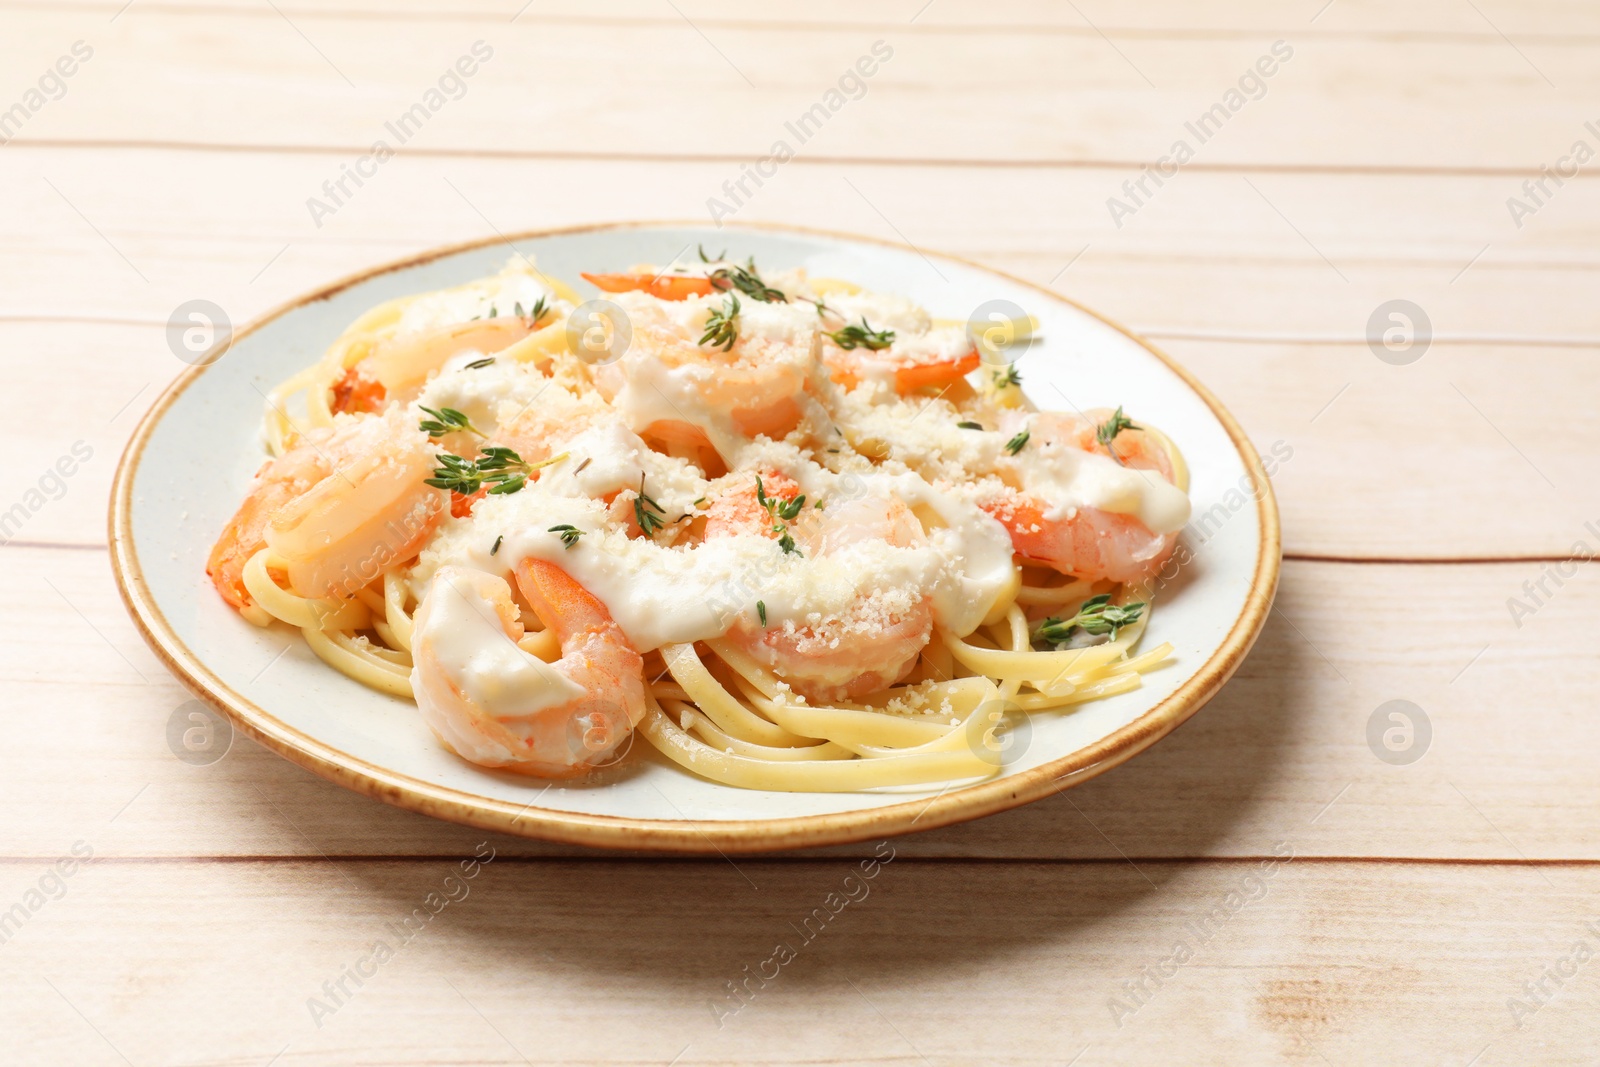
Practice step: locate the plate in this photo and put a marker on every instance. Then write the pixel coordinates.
(187, 465)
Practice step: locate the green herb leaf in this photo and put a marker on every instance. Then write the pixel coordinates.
(1008, 378)
(497, 542)
(1107, 431)
(647, 513)
(479, 364)
(446, 420)
(498, 467)
(969, 425)
(569, 533)
(747, 280)
(1016, 443)
(761, 610)
(1096, 616)
(863, 336)
(783, 512)
(722, 327)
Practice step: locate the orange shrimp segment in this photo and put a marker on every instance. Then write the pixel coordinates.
(356, 393)
(850, 368)
(496, 705)
(915, 376)
(1088, 542)
(660, 286)
(869, 646)
(402, 365)
(338, 509)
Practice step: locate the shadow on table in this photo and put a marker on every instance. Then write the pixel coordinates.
(703, 924)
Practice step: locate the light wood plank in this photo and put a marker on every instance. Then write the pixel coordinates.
(257, 77)
(1547, 21)
(1208, 257)
(1283, 745)
(590, 963)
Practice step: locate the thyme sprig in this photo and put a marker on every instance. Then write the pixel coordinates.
(1107, 431)
(783, 512)
(569, 533)
(498, 468)
(746, 279)
(1008, 378)
(1016, 444)
(722, 327)
(535, 313)
(447, 420)
(863, 336)
(647, 513)
(1097, 617)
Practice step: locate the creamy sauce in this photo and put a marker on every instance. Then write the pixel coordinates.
(663, 594)
(493, 673)
(927, 437)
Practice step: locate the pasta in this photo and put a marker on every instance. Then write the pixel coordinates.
(798, 535)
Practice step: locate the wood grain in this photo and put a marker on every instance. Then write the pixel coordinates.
(250, 76)
(605, 962)
(1420, 899)
(1295, 257)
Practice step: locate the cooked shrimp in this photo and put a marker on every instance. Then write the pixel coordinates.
(497, 705)
(401, 365)
(877, 641)
(909, 373)
(339, 508)
(1130, 446)
(757, 384)
(660, 286)
(1087, 542)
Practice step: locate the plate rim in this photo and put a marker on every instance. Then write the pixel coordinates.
(687, 835)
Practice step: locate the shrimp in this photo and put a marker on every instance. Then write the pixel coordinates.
(757, 384)
(1089, 542)
(399, 366)
(660, 286)
(347, 502)
(874, 644)
(497, 705)
(848, 368)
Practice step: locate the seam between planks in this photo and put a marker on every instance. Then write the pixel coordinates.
(792, 858)
(1180, 34)
(1337, 169)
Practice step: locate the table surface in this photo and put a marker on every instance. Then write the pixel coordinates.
(1258, 887)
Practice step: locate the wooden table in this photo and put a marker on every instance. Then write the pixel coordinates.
(1333, 907)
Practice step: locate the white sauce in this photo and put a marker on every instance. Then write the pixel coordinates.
(490, 669)
(661, 594)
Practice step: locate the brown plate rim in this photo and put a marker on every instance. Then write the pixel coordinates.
(688, 835)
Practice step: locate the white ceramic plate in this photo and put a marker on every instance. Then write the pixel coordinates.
(190, 459)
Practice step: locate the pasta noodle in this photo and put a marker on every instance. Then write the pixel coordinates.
(799, 535)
